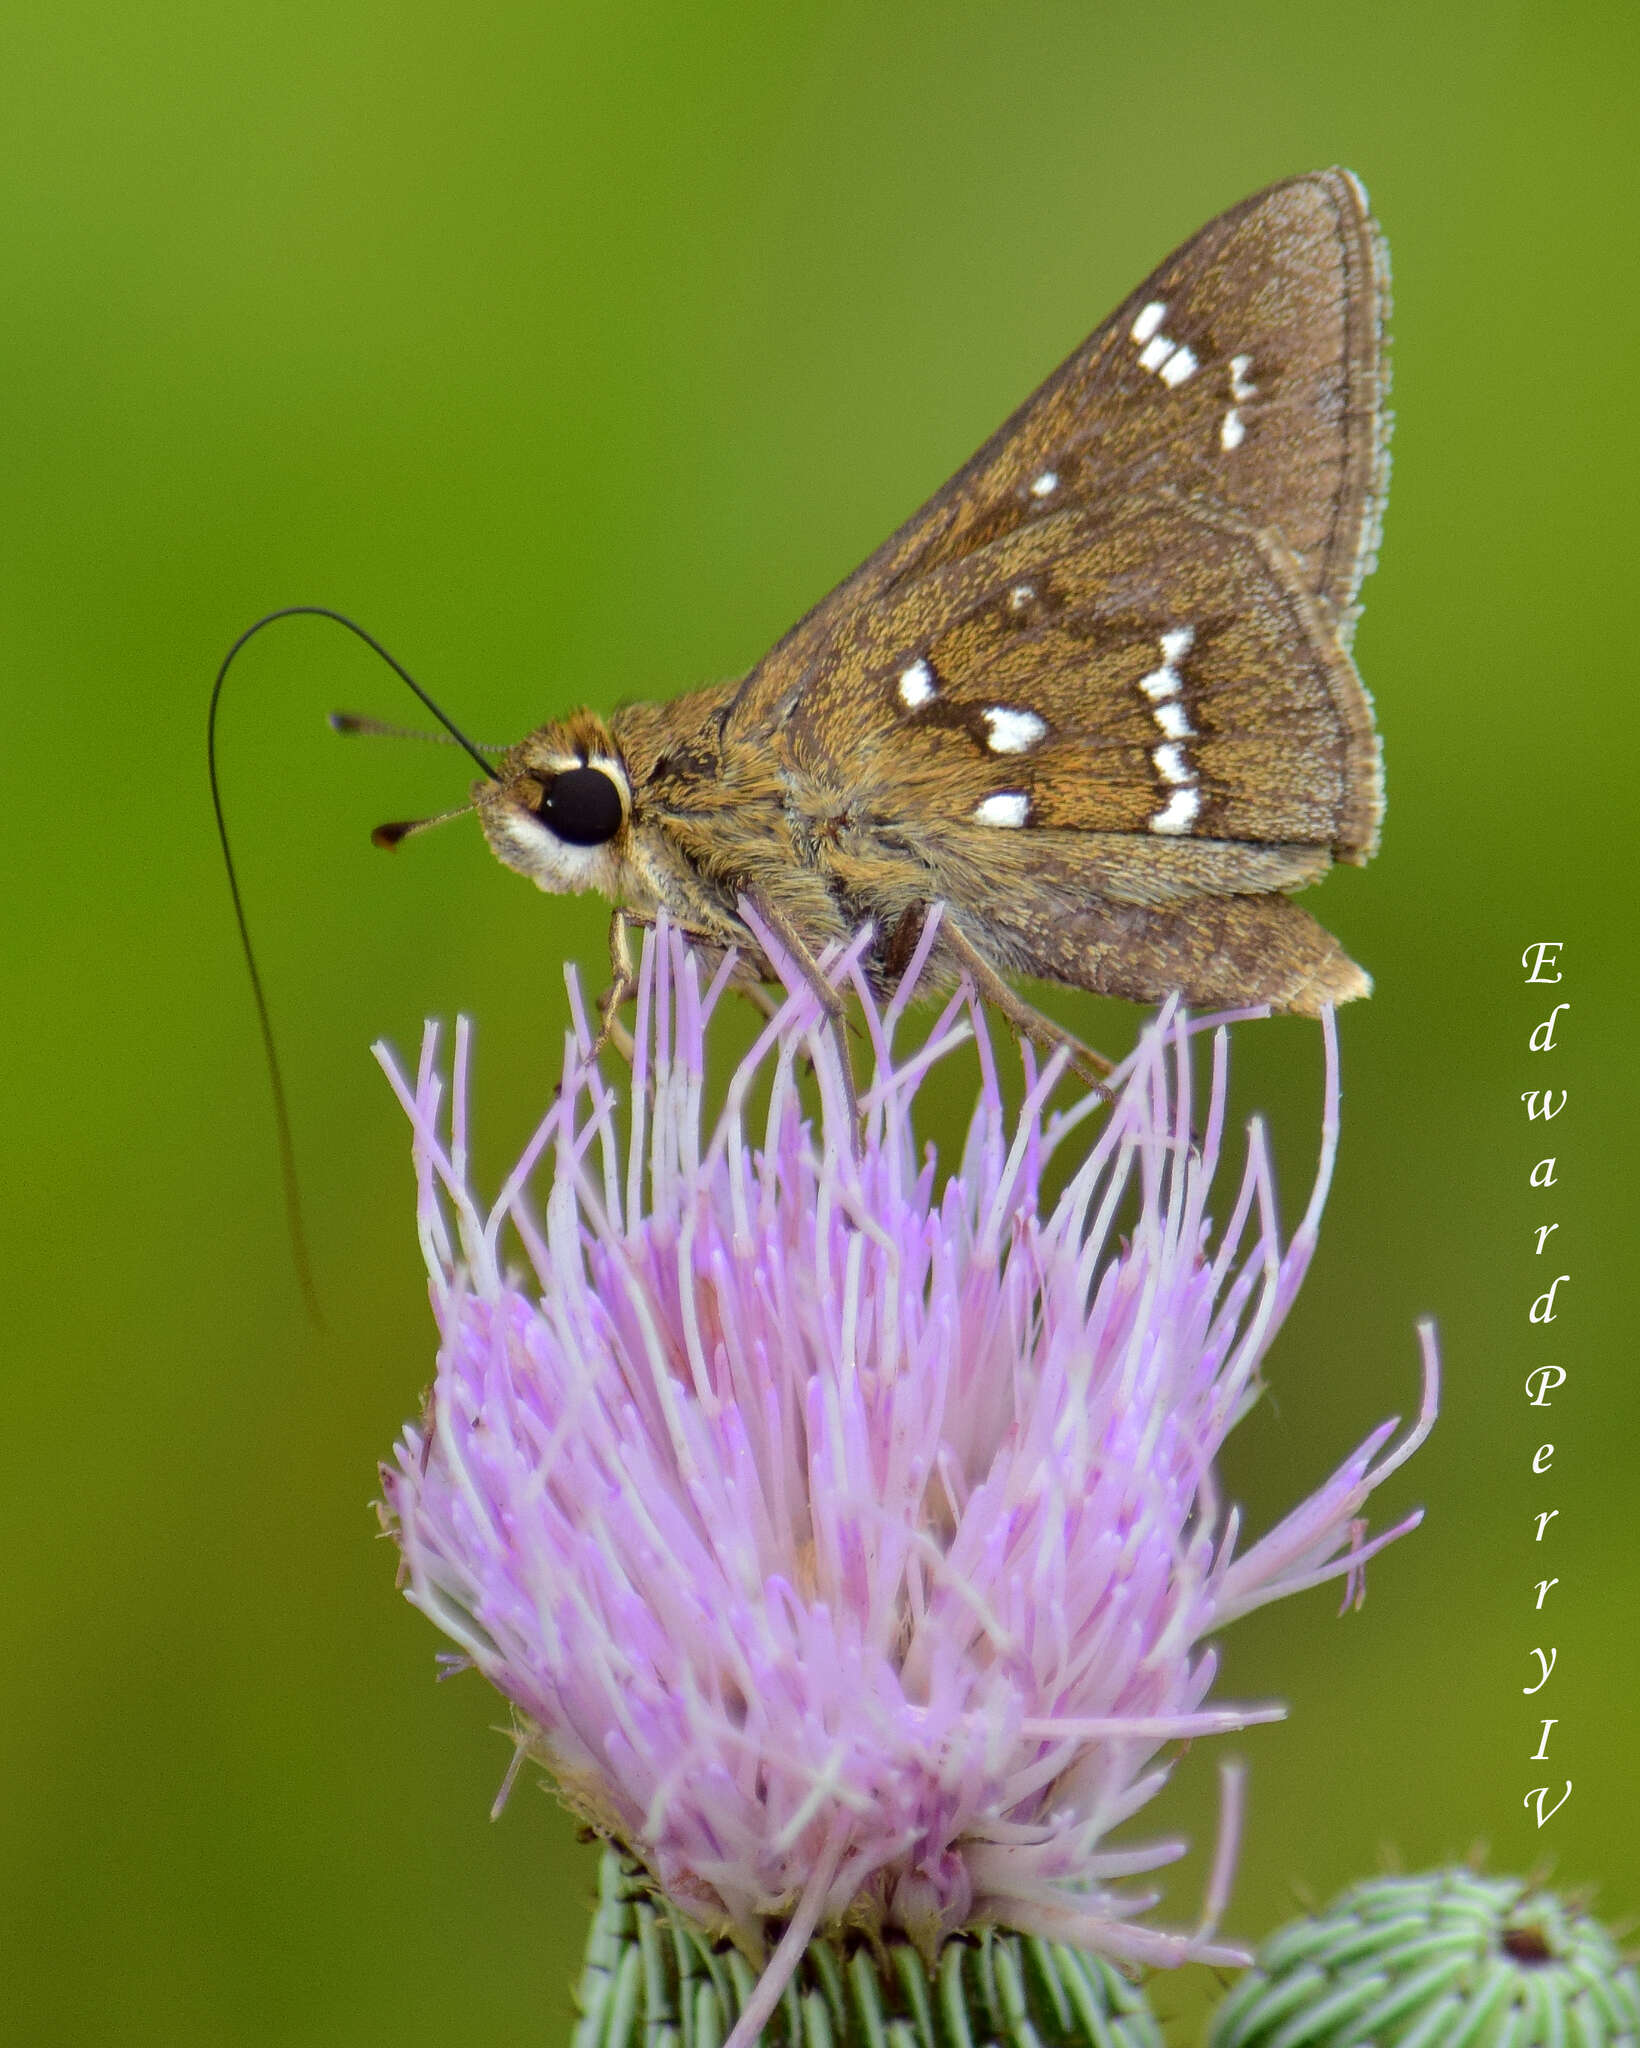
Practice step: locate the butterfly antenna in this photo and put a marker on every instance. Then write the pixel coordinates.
(348, 722)
(270, 1051)
(389, 836)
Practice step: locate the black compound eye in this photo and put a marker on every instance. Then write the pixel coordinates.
(581, 806)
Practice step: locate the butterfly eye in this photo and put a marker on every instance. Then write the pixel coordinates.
(581, 806)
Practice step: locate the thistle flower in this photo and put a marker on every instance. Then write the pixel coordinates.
(842, 1529)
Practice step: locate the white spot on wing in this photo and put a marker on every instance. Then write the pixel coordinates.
(1181, 812)
(1012, 807)
(1233, 428)
(1012, 732)
(1164, 687)
(917, 686)
(1020, 596)
(1044, 485)
(1172, 361)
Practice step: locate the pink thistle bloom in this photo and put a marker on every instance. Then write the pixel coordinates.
(843, 1529)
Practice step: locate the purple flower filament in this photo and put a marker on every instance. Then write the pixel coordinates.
(843, 1529)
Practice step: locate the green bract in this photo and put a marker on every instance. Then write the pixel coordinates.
(652, 1977)
(1445, 1960)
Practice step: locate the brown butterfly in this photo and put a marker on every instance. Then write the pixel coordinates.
(1096, 697)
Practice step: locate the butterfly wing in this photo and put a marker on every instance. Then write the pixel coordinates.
(1247, 370)
(1052, 681)
(1101, 679)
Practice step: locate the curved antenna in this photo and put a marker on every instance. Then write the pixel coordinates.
(281, 1111)
(321, 611)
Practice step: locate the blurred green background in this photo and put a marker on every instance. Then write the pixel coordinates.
(576, 351)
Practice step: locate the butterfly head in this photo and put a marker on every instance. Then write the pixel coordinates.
(559, 807)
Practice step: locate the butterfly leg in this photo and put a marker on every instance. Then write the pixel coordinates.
(623, 982)
(1030, 1023)
(828, 996)
(623, 985)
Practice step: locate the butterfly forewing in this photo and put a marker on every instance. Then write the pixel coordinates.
(1040, 666)
(1245, 372)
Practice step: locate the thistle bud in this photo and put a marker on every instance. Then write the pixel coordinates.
(1436, 1961)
